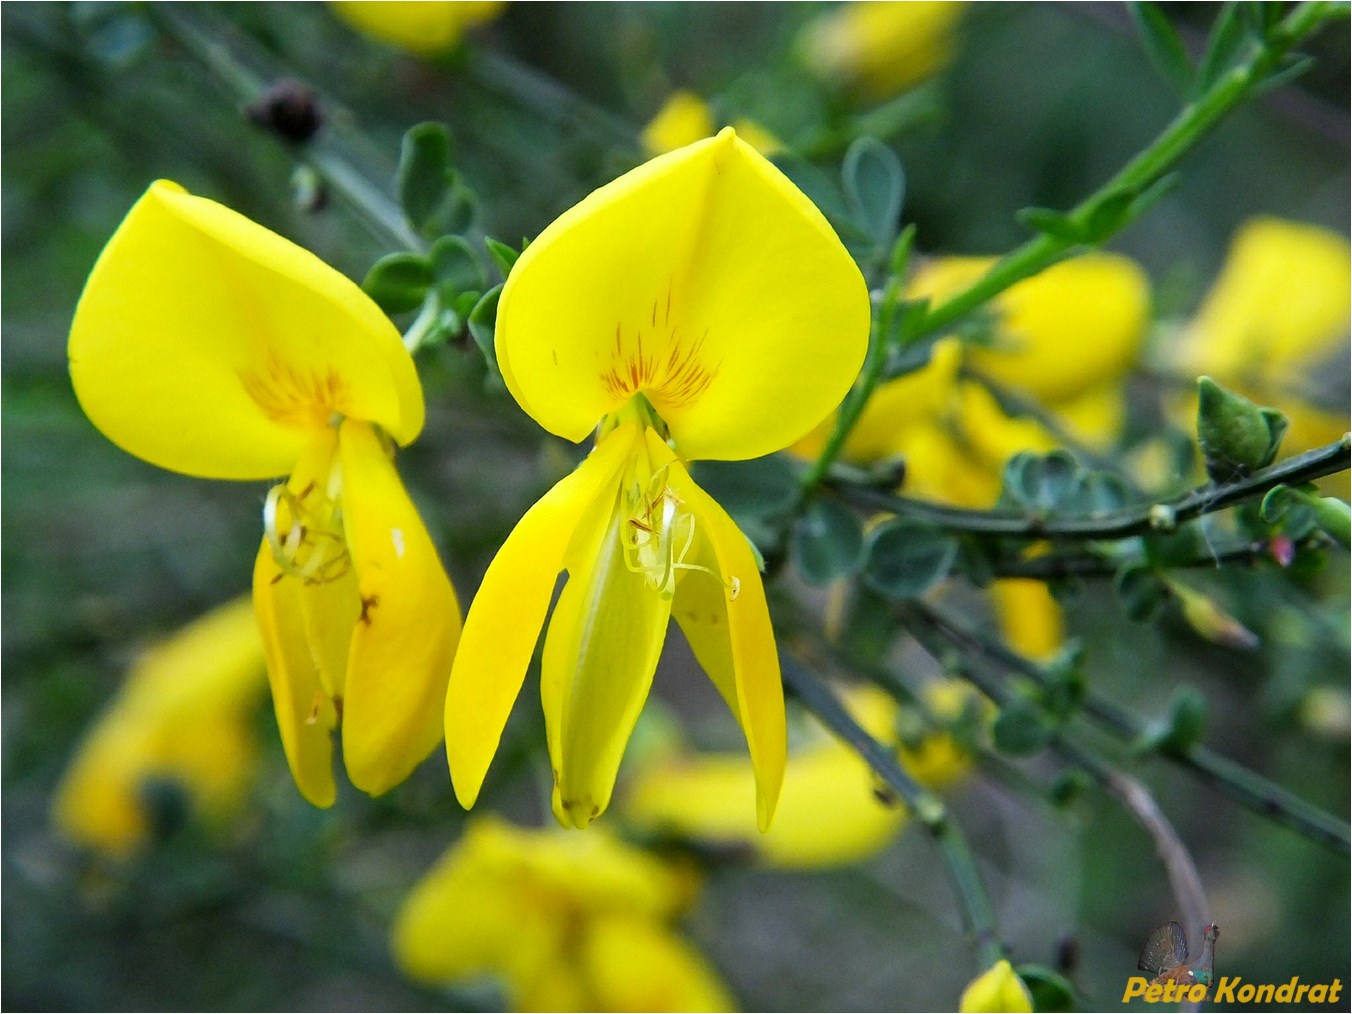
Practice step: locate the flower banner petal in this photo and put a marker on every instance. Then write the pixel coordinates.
(408, 623)
(505, 618)
(206, 344)
(305, 715)
(703, 279)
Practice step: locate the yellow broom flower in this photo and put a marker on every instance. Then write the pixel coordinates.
(208, 345)
(420, 26)
(697, 307)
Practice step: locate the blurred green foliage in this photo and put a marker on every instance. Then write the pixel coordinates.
(104, 552)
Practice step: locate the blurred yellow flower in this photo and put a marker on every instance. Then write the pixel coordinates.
(880, 48)
(701, 306)
(1276, 323)
(205, 344)
(997, 989)
(421, 26)
(686, 118)
(184, 717)
(565, 922)
(831, 811)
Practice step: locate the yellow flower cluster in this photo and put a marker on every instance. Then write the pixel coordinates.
(563, 922)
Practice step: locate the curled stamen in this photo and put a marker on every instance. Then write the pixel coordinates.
(305, 533)
(659, 536)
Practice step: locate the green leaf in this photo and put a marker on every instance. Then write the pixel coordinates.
(504, 256)
(1292, 66)
(1097, 494)
(868, 627)
(456, 266)
(1040, 482)
(822, 190)
(875, 187)
(1163, 45)
(906, 558)
(828, 541)
(757, 488)
(398, 282)
(900, 260)
(1050, 992)
(425, 178)
(482, 324)
(1020, 730)
(1140, 591)
(1053, 223)
(1227, 40)
(1065, 686)
(1183, 729)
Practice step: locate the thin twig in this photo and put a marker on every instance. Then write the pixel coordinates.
(1140, 519)
(929, 809)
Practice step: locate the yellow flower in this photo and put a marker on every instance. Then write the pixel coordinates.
(832, 810)
(686, 118)
(829, 814)
(565, 922)
(999, 988)
(421, 26)
(208, 345)
(184, 717)
(880, 48)
(1275, 320)
(700, 298)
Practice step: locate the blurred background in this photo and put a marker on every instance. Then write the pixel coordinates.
(282, 906)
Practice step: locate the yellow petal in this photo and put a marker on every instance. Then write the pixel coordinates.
(505, 618)
(422, 26)
(999, 988)
(305, 713)
(881, 47)
(1061, 332)
(184, 715)
(683, 119)
(636, 964)
(1029, 616)
(750, 638)
(1280, 304)
(407, 627)
(600, 654)
(828, 814)
(703, 279)
(206, 344)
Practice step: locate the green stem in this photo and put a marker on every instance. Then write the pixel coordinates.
(1246, 787)
(1194, 121)
(929, 809)
(875, 362)
(215, 44)
(1137, 520)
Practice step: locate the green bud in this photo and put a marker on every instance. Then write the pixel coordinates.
(1236, 436)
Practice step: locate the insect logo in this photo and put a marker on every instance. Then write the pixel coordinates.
(1165, 958)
